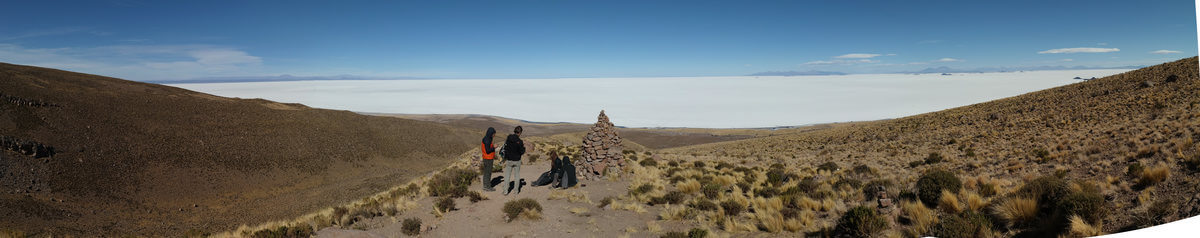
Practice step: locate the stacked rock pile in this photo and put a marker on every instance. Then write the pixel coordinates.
(601, 150)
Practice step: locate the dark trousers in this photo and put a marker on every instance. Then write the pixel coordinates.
(486, 170)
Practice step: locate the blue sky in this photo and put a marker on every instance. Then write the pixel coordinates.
(169, 40)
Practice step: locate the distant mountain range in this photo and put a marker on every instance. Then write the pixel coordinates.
(945, 69)
(796, 73)
(280, 78)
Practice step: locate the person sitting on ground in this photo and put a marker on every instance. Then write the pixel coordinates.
(567, 170)
(489, 154)
(552, 176)
(513, 149)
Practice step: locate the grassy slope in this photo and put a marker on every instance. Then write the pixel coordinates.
(137, 158)
(1092, 130)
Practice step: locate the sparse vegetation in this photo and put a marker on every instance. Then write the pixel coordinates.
(452, 182)
(524, 207)
(444, 204)
(933, 158)
(697, 233)
(411, 226)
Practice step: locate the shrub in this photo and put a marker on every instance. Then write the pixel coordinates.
(931, 184)
(302, 230)
(1134, 169)
(933, 158)
(444, 204)
(674, 234)
(673, 163)
(648, 162)
(722, 165)
(605, 201)
(532, 158)
(767, 192)
(710, 190)
(452, 182)
(411, 226)
(987, 189)
(475, 196)
(863, 169)
(1046, 189)
(808, 184)
(704, 204)
(1041, 153)
(641, 189)
(1153, 176)
(828, 166)
(789, 213)
(1087, 204)
(967, 224)
(914, 164)
(514, 208)
(1016, 211)
(698, 164)
(860, 221)
(743, 185)
(853, 183)
(1193, 163)
(672, 197)
(697, 233)
(732, 208)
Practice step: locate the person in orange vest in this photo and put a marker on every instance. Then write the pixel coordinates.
(489, 153)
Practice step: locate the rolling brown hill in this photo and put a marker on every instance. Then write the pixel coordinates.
(92, 155)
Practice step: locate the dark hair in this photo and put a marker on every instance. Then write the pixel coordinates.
(518, 130)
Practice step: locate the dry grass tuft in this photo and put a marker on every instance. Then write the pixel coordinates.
(652, 227)
(578, 210)
(1080, 228)
(949, 203)
(974, 201)
(689, 186)
(531, 214)
(1152, 176)
(919, 216)
(1016, 211)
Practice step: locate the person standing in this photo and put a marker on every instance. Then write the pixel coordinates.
(489, 154)
(513, 149)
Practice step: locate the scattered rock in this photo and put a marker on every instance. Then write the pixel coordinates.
(1148, 84)
(601, 150)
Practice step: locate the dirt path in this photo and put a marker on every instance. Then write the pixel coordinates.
(486, 219)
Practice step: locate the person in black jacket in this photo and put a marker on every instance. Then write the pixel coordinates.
(488, 155)
(514, 148)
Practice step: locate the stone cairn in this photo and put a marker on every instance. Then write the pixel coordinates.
(601, 151)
